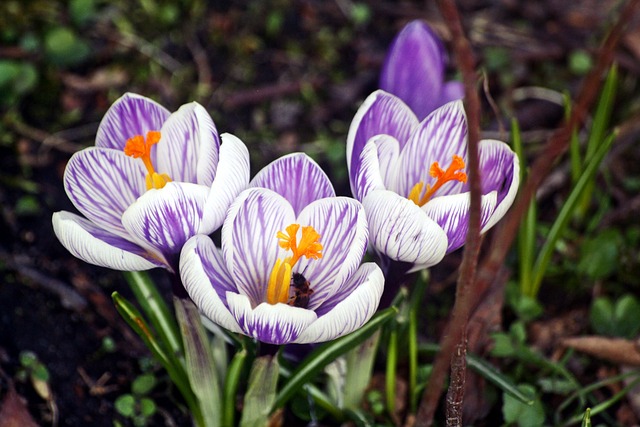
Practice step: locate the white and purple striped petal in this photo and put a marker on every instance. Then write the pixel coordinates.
(166, 218)
(207, 281)
(381, 113)
(369, 177)
(441, 135)
(342, 225)
(249, 239)
(399, 229)
(348, 309)
(232, 177)
(102, 184)
(297, 178)
(97, 246)
(129, 116)
(273, 324)
(414, 68)
(188, 149)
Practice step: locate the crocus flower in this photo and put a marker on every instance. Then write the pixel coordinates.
(289, 267)
(414, 70)
(410, 176)
(153, 180)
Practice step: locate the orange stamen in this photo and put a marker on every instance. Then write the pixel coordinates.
(308, 246)
(453, 173)
(139, 148)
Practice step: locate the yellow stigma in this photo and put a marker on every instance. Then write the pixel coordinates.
(453, 173)
(308, 246)
(139, 148)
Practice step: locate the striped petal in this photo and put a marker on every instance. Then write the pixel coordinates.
(168, 217)
(369, 177)
(102, 184)
(272, 324)
(249, 239)
(232, 177)
(399, 229)
(206, 280)
(96, 246)
(381, 113)
(441, 135)
(297, 178)
(452, 214)
(414, 68)
(500, 171)
(349, 309)
(342, 225)
(129, 116)
(188, 149)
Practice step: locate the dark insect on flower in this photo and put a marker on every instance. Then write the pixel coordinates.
(302, 291)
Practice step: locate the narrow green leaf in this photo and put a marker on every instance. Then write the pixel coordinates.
(201, 368)
(319, 397)
(261, 392)
(390, 377)
(586, 419)
(176, 372)
(232, 381)
(412, 337)
(156, 309)
(558, 227)
(359, 368)
(328, 352)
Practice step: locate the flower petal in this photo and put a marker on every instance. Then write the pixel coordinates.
(369, 177)
(272, 324)
(349, 309)
(96, 246)
(168, 217)
(414, 68)
(249, 239)
(188, 149)
(129, 116)
(400, 230)
(381, 113)
(297, 178)
(452, 214)
(102, 184)
(441, 135)
(232, 177)
(500, 171)
(451, 91)
(342, 225)
(206, 280)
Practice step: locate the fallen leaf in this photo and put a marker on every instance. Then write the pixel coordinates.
(614, 350)
(14, 412)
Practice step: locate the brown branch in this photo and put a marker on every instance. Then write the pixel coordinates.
(468, 290)
(464, 289)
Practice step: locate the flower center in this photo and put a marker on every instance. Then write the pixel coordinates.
(308, 246)
(139, 148)
(453, 173)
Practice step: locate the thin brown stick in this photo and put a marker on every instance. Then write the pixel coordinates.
(555, 147)
(460, 315)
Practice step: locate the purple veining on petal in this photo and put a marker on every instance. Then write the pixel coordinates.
(216, 270)
(188, 150)
(249, 239)
(357, 279)
(369, 177)
(297, 178)
(102, 184)
(130, 115)
(414, 68)
(381, 113)
(168, 217)
(441, 135)
(339, 221)
(279, 323)
(496, 167)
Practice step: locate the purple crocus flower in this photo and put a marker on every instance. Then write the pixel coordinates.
(410, 177)
(414, 70)
(153, 180)
(289, 267)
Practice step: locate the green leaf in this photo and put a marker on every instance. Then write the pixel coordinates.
(328, 352)
(359, 368)
(261, 392)
(627, 315)
(63, 47)
(156, 309)
(125, 405)
(599, 255)
(522, 414)
(201, 368)
(231, 384)
(586, 419)
(601, 316)
(147, 407)
(143, 384)
(497, 378)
